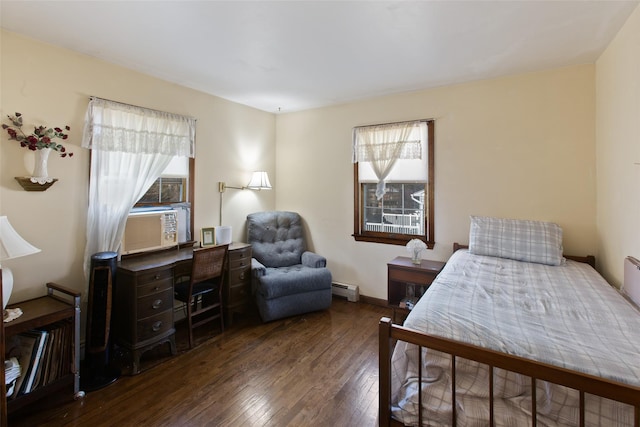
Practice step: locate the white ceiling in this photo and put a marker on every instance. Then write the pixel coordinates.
(294, 55)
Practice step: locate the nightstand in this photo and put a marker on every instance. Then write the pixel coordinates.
(407, 282)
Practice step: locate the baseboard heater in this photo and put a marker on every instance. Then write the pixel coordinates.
(350, 292)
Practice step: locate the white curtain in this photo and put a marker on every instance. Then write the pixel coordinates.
(382, 145)
(130, 147)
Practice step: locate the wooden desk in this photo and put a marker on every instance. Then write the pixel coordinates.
(143, 296)
(402, 274)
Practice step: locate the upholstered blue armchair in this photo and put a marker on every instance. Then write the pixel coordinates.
(287, 280)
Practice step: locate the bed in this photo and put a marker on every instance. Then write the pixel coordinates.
(518, 334)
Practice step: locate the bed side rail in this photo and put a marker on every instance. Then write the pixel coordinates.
(389, 333)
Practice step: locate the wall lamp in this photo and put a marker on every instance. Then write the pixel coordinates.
(259, 181)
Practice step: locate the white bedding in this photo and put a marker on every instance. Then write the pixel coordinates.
(565, 315)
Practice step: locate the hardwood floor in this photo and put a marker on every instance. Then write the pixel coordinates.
(319, 369)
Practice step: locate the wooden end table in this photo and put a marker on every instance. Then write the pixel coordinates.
(403, 276)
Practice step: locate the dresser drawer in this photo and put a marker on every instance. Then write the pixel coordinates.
(239, 294)
(239, 263)
(238, 275)
(412, 276)
(155, 303)
(155, 287)
(154, 325)
(237, 254)
(155, 276)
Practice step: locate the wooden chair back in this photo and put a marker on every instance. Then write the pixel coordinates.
(208, 263)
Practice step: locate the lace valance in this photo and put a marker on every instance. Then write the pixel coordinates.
(114, 126)
(387, 142)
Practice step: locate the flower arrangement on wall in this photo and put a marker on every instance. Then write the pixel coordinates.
(41, 138)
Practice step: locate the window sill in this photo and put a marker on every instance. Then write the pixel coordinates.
(389, 239)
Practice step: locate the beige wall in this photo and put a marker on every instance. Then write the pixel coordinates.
(520, 146)
(618, 150)
(517, 147)
(51, 86)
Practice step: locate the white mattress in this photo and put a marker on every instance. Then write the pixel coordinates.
(565, 315)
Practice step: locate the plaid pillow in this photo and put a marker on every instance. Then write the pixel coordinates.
(521, 240)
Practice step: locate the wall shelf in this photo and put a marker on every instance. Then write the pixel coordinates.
(29, 185)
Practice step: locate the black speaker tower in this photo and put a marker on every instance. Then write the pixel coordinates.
(96, 370)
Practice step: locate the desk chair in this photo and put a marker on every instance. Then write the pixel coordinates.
(202, 294)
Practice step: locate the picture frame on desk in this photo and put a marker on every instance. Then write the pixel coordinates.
(207, 237)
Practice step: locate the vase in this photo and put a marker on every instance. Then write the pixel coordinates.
(40, 173)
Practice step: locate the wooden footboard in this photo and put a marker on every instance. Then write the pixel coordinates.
(389, 333)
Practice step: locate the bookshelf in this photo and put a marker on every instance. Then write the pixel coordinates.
(59, 308)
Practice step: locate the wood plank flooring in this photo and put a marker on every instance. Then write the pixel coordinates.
(319, 369)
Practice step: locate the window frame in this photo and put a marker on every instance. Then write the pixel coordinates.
(361, 235)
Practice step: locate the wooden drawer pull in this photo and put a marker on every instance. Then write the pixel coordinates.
(242, 276)
(156, 326)
(157, 304)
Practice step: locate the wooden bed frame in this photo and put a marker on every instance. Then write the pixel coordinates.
(390, 333)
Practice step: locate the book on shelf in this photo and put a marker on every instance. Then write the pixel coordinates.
(36, 359)
(23, 347)
(11, 374)
(43, 356)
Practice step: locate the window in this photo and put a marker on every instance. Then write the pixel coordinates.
(174, 188)
(173, 185)
(393, 182)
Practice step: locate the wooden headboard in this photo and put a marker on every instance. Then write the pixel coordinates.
(589, 259)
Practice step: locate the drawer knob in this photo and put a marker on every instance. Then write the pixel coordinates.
(157, 304)
(156, 277)
(242, 276)
(156, 326)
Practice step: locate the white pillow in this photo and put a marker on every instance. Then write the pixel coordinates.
(521, 240)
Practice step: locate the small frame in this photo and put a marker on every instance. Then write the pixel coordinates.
(207, 237)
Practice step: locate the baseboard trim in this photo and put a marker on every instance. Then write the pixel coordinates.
(373, 301)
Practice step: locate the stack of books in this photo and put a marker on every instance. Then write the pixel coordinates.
(42, 356)
(11, 373)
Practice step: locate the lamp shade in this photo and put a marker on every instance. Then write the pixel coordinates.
(12, 245)
(259, 181)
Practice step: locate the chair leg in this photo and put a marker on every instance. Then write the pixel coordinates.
(189, 323)
(220, 308)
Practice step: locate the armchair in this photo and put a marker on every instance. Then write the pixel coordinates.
(287, 280)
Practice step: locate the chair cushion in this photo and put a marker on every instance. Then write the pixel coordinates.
(291, 280)
(276, 238)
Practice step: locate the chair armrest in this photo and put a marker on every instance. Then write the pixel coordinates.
(257, 269)
(314, 260)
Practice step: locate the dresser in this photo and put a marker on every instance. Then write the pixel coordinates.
(143, 309)
(237, 289)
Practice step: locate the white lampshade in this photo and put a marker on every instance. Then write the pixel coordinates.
(259, 181)
(12, 245)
